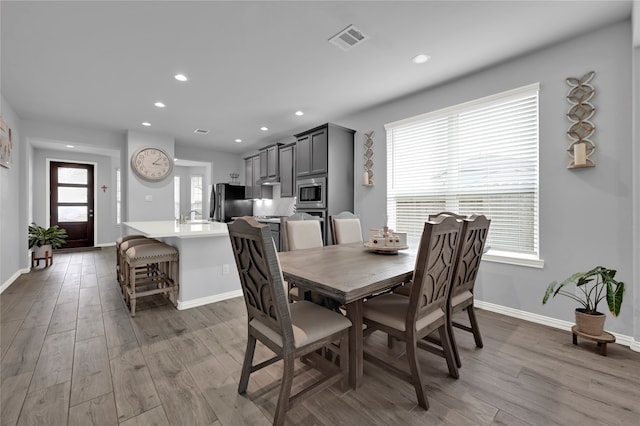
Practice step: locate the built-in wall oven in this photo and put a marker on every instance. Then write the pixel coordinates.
(311, 193)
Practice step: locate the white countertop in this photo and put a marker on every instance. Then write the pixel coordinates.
(170, 228)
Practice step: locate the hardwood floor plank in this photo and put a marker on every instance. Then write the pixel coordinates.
(55, 362)
(63, 318)
(22, 355)
(134, 390)
(155, 417)
(89, 296)
(100, 411)
(13, 392)
(39, 314)
(46, 407)
(117, 328)
(8, 330)
(17, 307)
(91, 373)
(88, 279)
(180, 396)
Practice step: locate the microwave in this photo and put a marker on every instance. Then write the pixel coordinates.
(311, 193)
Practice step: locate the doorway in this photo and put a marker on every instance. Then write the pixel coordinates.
(71, 202)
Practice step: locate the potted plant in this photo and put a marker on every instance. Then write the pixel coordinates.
(43, 239)
(591, 288)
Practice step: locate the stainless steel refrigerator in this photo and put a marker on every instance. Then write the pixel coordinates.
(228, 201)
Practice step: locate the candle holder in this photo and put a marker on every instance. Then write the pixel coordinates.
(581, 129)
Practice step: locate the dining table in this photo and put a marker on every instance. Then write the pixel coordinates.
(348, 274)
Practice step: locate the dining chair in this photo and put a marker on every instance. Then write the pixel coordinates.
(475, 230)
(290, 330)
(410, 319)
(345, 228)
(300, 231)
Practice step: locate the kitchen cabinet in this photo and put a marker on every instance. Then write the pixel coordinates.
(253, 188)
(286, 157)
(248, 174)
(269, 161)
(312, 152)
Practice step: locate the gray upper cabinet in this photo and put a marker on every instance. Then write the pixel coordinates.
(312, 152)
(286, 156)
(269, 162)
(253, 188)
(248, 174)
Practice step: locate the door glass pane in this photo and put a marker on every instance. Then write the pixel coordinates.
(72, 175)
(72, 195)
(72, 214)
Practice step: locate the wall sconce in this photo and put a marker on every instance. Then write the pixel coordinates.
(581, 129)
(367, 177)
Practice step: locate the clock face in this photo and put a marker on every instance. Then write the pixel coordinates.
(151, 164)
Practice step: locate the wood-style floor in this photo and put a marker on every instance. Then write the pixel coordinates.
(71, 354)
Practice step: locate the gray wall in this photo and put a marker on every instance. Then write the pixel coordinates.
(13, 223)
(585, 214)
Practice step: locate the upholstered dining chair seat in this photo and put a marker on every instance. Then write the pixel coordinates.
(461, 298)
(310, 323)
(391, 310)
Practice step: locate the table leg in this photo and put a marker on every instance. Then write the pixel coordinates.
(354, 313)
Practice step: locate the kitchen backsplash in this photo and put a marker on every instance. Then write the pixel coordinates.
(277, 206)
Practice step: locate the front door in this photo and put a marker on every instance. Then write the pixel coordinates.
(72, 202)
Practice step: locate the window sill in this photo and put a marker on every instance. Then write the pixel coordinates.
(513, 259)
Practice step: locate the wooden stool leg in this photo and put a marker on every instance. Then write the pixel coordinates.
(575, 338)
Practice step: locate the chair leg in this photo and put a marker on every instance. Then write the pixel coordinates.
(389, 341)
(247, 364)
(412, 358)
(285, 391)
(445, 340)
(454, 345)
(474, 326)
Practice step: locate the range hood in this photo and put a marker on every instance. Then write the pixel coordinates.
(272, 180)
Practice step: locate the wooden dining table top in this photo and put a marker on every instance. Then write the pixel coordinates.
(346, 272)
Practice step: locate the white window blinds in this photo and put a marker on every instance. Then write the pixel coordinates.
(478, 157)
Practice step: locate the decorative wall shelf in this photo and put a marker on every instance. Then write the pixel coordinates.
(367, 177)
(581, 129)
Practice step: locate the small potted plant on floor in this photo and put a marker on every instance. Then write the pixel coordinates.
(592, 287)
(43, 239)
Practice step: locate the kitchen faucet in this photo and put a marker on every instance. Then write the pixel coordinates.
(184, 216)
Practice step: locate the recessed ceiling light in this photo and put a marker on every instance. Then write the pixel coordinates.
(264, 128)
(160, 105)
(70, 146)
(420, 59)
(146, 123)
(180, 77)
(299, 112)
(238, 140)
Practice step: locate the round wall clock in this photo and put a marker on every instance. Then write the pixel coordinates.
(152, 164)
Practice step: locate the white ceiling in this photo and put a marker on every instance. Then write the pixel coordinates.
(102, 64)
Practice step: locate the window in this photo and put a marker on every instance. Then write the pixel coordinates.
(478, 157)
(176, 196)
(196, 196)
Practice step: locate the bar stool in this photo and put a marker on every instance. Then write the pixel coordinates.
(162, 262)
(119, 242)
(123, 272)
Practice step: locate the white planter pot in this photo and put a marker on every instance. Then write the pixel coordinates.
(41, 252)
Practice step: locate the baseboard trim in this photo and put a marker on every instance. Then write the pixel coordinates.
(11, 279)
(551, 322)
(209, 299)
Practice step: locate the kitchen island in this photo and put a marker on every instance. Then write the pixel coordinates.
(207, 270)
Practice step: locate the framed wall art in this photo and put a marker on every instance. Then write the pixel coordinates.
(6, 144)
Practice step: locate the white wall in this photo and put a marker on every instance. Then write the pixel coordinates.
(222, 163)
(585, 214)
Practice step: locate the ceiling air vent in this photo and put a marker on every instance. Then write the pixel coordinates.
(348, 38)
(201, 131)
